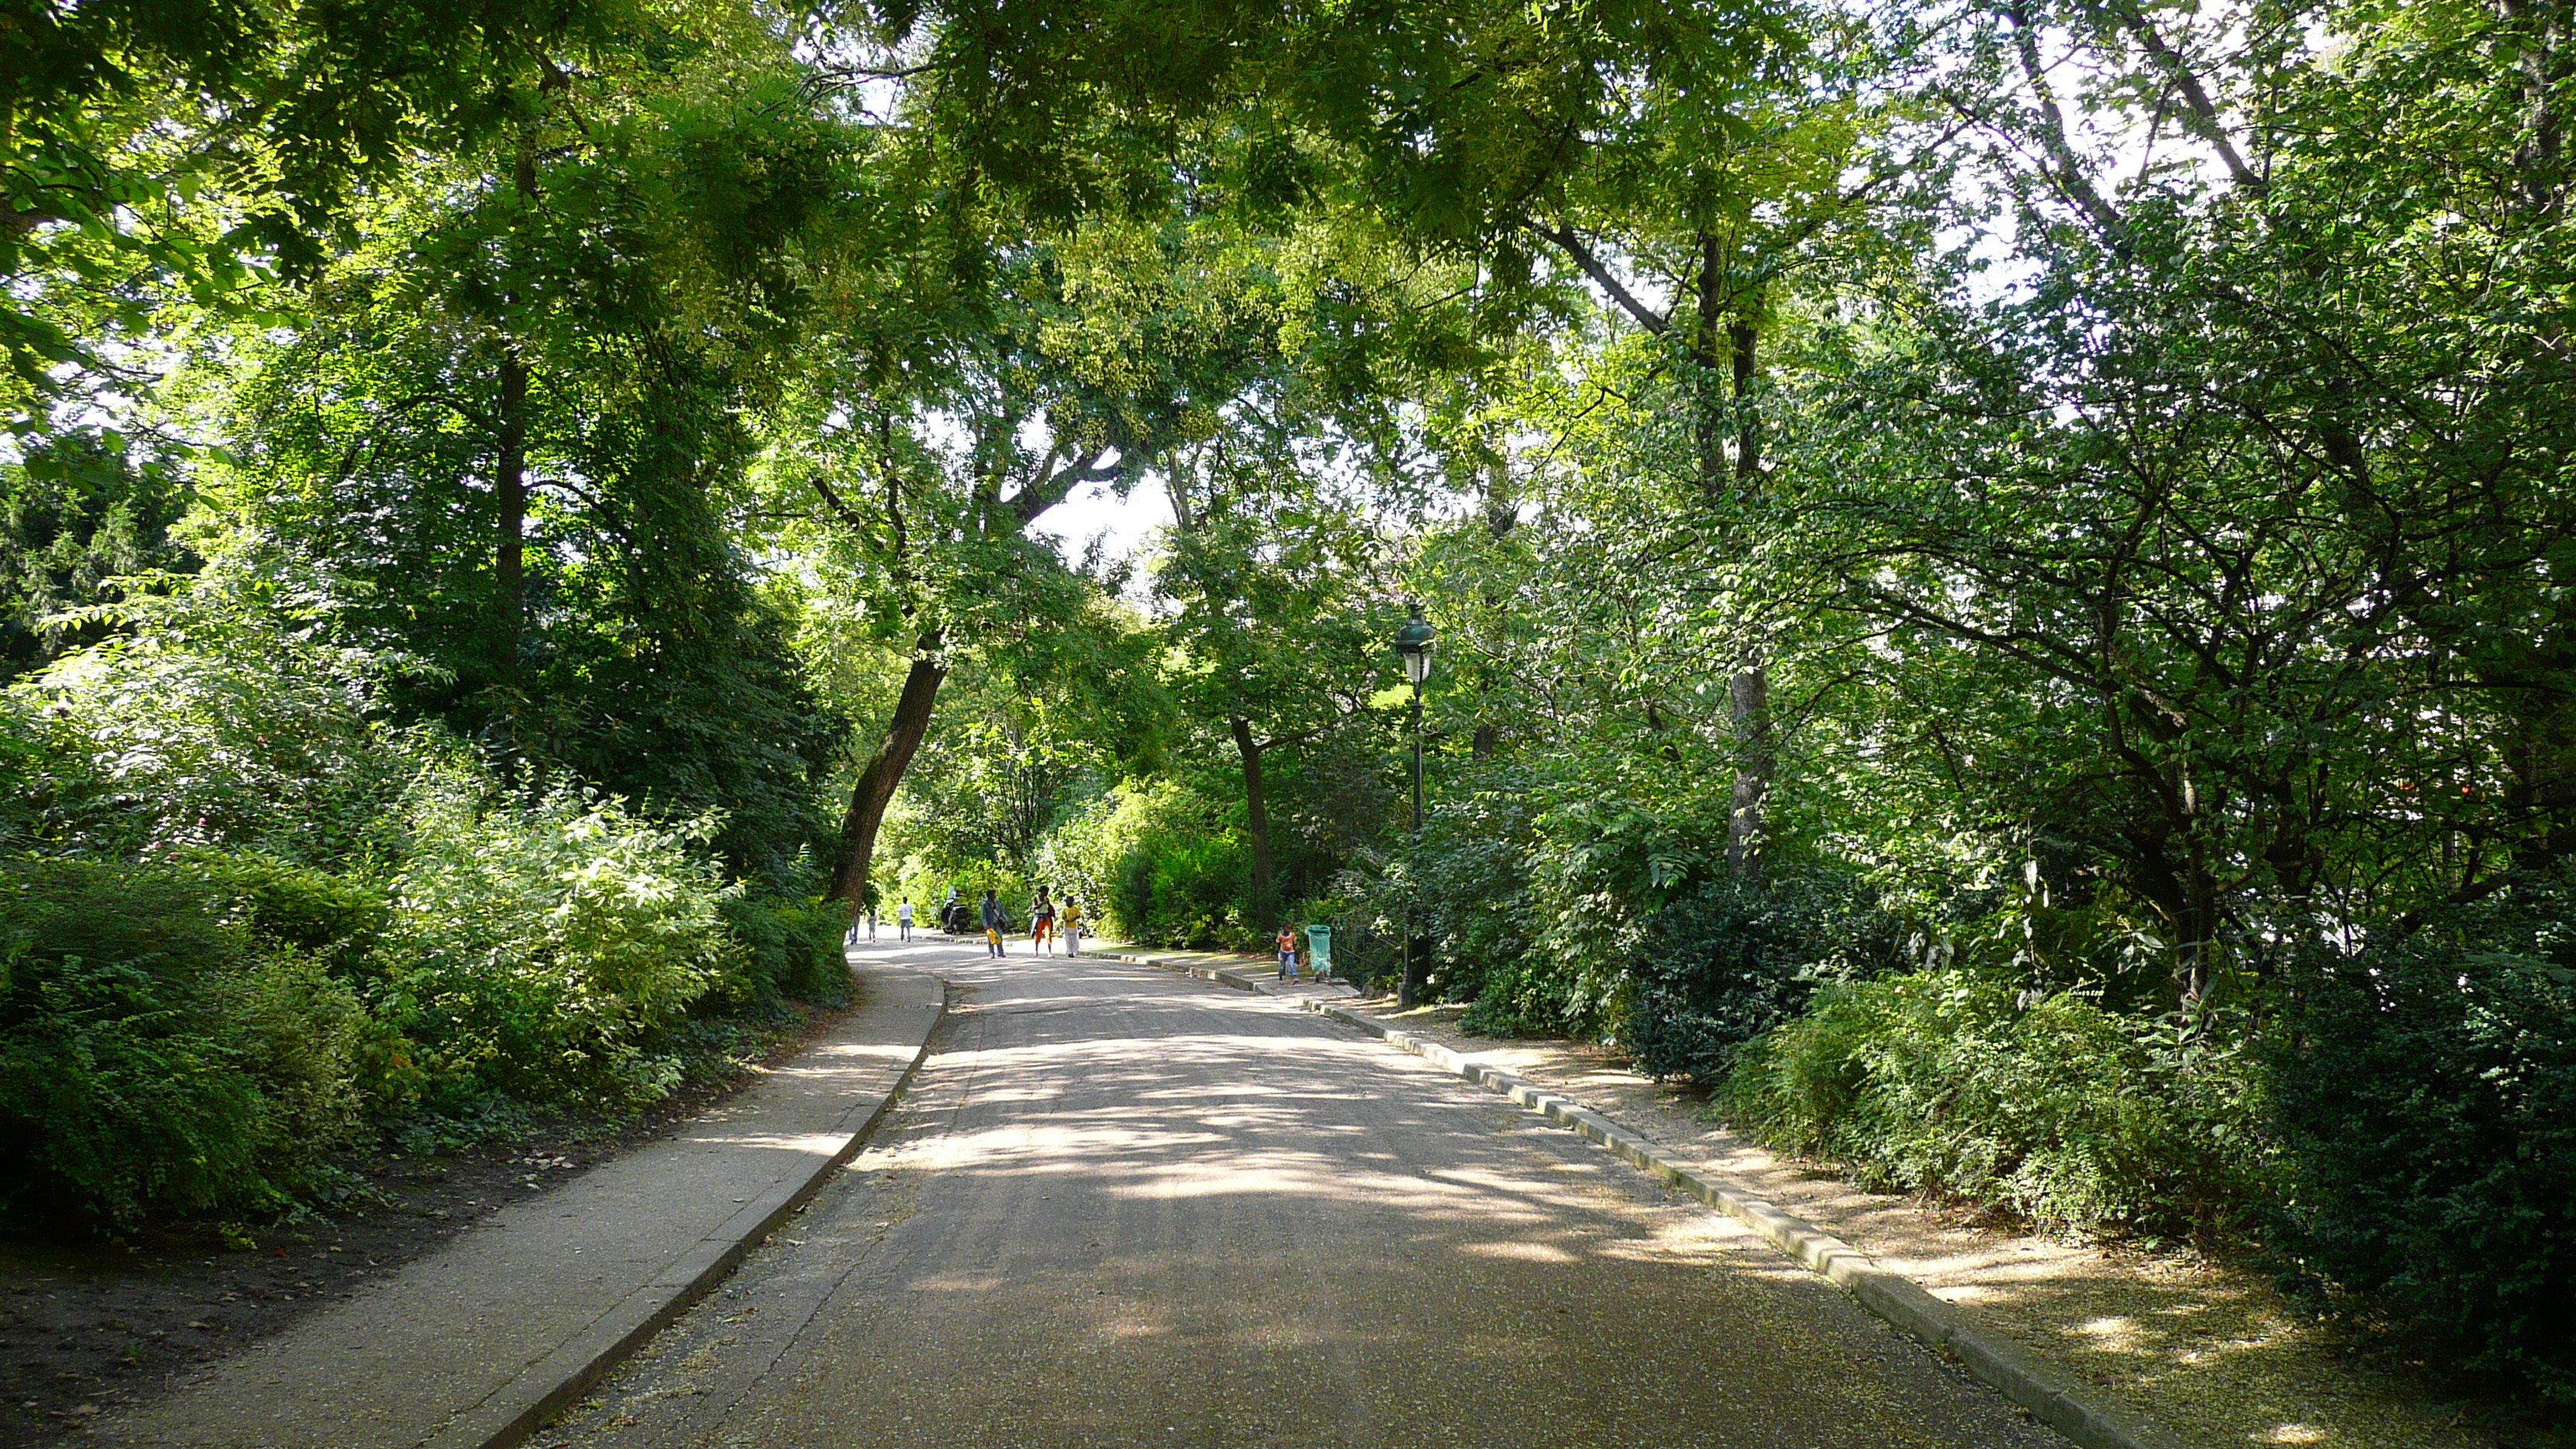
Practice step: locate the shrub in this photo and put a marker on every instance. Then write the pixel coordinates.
(2427, 1101)
(791, 946)
(256, 741)
(1476, 844)
(535, 951)
(293, 905)
(1600, 870)
(1157, 857)
(153, 1060)
(1951, 1083)
(1182, 890)
(1727, 962)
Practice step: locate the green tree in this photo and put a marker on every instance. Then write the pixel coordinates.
(75, 514)
(508, 436)
(1276, 633)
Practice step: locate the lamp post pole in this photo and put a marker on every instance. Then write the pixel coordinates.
(1413, 645)
(1417, 764)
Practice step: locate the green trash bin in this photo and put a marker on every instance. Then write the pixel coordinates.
(1319, 950)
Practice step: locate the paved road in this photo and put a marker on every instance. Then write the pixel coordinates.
(1120, 1207)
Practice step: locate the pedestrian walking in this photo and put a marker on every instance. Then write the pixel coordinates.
(872, 923)
(1041, 924)
(903, 920)
(1072, 928)
(1287, 954)
(993, 925)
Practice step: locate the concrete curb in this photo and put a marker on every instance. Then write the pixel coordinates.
(518, 1410)
(1218, 974)
(2056, 1400)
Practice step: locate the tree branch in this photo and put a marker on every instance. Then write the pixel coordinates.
(2201, 116)
(1052, 484)
(2068, 169)
(1572, 245)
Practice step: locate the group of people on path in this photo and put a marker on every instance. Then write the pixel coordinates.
(1043, 921)
(902, 922)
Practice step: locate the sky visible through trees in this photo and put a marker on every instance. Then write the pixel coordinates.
(2001, 569)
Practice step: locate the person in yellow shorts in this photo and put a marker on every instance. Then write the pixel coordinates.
(993, 926)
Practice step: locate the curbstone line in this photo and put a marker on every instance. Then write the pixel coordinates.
(2063, 1405)
(1217, 974)
(520, 1408)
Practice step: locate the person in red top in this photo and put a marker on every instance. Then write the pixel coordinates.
(1287, 954)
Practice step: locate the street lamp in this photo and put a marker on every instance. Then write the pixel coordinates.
(1413, 646)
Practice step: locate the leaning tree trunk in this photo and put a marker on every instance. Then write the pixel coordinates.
(883, 772)
(1256, 811)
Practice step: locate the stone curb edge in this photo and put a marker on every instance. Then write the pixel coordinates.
(1216, 974)
(2011, 1370)
(518, 1410)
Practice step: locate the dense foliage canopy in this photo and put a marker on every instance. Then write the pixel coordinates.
(2002, 570)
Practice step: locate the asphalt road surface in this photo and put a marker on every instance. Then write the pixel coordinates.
(1121, 1207)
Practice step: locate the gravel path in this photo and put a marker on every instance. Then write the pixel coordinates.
(1119, 1207)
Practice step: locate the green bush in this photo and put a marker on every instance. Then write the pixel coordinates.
(1727, 962)
(154, 1059)
(1600, 871)
(293, 905)
(265, 925)
(791, 946)
(2427, 1101)
(1476, 844)
(1956, 1084)
(1166, 868)
(248, 740)
(534, 951)
(1183, 891)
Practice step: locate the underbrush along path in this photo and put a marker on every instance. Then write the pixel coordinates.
(473, 1346)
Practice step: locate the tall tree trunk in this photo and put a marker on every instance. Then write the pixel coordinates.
(510, 470)
(884, 771)
(1256, 811)
(510, 497)
(1748, 694)
(1748, 710)
(1711, 398)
